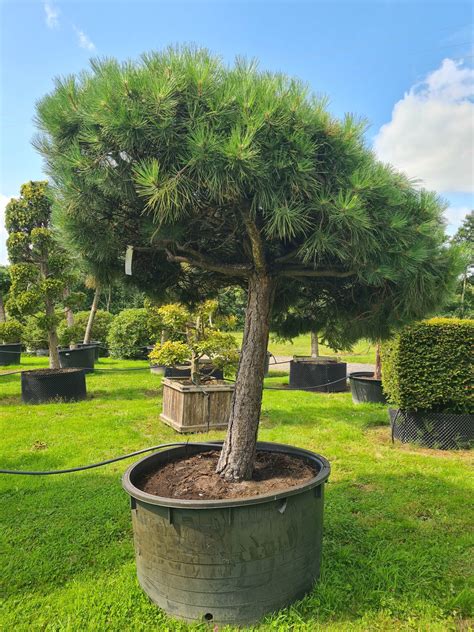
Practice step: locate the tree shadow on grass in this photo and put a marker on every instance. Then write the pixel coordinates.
(389, 541)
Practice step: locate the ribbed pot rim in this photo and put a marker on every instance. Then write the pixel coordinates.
(316, 459)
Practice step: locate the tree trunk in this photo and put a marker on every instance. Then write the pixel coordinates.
(3, 316)
(92, 313)
(314, 345)
(378, 363)
(52, 336)
(237, 459)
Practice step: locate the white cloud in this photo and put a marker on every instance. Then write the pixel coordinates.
(4, 199)
(454, 216)
(52, 15)
(84, 41)
(431, 134)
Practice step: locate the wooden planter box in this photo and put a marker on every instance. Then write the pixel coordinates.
(190, 408)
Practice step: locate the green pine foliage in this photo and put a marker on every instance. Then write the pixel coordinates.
(186, 158)
(428, 366)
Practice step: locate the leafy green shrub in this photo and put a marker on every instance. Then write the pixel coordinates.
(130, 331)
(10, 332)
(428, 366)
(35, 332)
(75, 334)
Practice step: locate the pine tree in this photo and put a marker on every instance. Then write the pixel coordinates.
(223, 175)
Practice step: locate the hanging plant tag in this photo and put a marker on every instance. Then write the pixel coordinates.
(128, 260)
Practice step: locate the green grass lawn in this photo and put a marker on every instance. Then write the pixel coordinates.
(397, 521)
(363, 351)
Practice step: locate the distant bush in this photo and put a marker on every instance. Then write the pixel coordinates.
(11, 331)
(35, 333)
(428, 366)
(130, 331)
(75, 334)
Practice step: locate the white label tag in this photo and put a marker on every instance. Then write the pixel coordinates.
(128, 260)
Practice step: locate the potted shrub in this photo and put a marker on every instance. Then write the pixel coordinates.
(73, 336)
(197, 401)
(10, 342)
(40, 275)
(366, 386)
(428, 380)
(223, 175)
(131, 332)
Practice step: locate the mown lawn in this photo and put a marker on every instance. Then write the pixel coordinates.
(397, 523)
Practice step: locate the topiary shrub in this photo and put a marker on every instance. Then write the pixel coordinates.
(130, 331)
(428, 366)
(75, 334)
(11, 332)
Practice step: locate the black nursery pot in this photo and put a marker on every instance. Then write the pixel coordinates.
(328, 375)
(95, 344)
(45, 385)
(442, 431)
(184, 371)
(10, 354)
(82, 358)
(227, 561)
(366, 390)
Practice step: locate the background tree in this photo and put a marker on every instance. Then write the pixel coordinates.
(39, 270)
(223, 176)
(5, 283)
(462, 302)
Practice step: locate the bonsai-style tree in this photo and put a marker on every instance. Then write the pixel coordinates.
(39, 270)
(201, 339)
(5, 283)
(223, 175)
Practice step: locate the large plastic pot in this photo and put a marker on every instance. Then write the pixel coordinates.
(365, 389)
(184, 371)
(442, 431)
(227, 561)
(326, 374)
(10, 354)
(82, 358)
(94, 344)
(45, 385)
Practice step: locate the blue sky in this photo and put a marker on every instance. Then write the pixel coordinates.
(405, 66)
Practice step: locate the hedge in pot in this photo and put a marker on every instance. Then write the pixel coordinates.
(10, 342)
(220, 175)
(428, 378)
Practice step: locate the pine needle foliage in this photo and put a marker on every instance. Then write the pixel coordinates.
(191, 161)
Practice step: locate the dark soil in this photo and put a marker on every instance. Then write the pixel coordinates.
(46, 372)
(195, 478)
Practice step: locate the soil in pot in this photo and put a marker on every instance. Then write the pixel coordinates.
(45, 385)
(365, 388)
(195, 477)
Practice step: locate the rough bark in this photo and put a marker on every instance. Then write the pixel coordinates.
(52, 337)
(3, 316)
(314, 345)
(237, 459)
(378, 363)
(92, 313)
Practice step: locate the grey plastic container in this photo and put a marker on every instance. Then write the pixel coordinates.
(318, 375)
(227, 561)
(365, 389)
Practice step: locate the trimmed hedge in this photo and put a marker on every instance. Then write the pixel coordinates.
(130, 331)
(428, 366)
